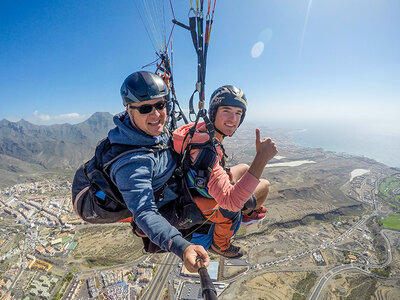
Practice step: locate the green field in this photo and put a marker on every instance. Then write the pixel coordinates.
(388, 185)
(392, 221)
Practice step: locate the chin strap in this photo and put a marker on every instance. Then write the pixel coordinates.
(220, 132)
(223, 134)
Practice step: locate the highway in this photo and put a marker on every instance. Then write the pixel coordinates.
(72, 289)
(329, 244)
(254, 268)
(21, 261)
(163, 273)
(311, 250)
(328, 275)
(298, 255)
(325, 245)
(358, 267)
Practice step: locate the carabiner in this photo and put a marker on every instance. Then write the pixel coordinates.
(195, 13)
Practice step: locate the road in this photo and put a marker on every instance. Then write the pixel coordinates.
(254, 268)
(311, 250)
(21, 269)
(325, 245)
(157, 284)
(72, 289)
(164, 270)
(329, 244)
(332, 272)
(358, 267)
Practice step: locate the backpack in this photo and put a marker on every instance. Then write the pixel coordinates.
(97, 200)
(95, 197)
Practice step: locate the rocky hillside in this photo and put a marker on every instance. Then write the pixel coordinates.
(25, 146)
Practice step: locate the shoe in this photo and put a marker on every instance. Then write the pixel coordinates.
(262, 209)
(253, 217)
(231, 252)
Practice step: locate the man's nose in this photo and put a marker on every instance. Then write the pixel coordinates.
(234, 117)
(154, 111)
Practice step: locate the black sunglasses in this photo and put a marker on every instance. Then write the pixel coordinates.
(147, 108)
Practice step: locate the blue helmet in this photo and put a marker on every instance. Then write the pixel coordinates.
(142, 86)
(227, 95)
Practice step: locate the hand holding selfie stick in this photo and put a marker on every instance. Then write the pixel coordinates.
(207, 288)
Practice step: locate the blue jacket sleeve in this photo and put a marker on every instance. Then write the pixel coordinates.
(133, 177)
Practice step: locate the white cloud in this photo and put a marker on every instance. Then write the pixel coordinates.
(68, 116)
(46, 119)
(41, 117)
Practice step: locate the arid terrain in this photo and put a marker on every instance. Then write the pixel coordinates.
(106, 246)
(305, 204)
(322, 237)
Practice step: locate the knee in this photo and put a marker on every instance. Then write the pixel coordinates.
(238, 171)
(243, 168)
(264, 184)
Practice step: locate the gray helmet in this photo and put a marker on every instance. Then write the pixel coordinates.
(227, 95)
(142, 86)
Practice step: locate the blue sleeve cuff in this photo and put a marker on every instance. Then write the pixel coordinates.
(178, 245)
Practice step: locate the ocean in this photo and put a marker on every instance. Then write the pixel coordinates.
(381, 143)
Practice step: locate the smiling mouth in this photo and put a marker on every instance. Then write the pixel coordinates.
(155, 123)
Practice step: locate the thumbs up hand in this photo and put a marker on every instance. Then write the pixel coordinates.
(265, 147)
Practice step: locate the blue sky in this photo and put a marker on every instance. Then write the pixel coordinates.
(61, 61)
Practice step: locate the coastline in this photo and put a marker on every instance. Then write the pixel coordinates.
(383, 149)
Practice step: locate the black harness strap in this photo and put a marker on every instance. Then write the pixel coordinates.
(176, 115)
(207, 157)
(191, 109)
(200, 43)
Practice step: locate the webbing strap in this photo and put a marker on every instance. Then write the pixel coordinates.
(154, 149)
(209, 21)
(191, 109)
(192, 28)
(210, 131)
(175, 115)
(200, 55)
(210, 127)
(200, 43)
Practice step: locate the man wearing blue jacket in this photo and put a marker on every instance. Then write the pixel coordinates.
(142, 174)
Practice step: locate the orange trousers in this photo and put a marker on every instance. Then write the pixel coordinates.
(225, 220)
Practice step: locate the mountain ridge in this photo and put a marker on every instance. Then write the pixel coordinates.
(51, 147)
